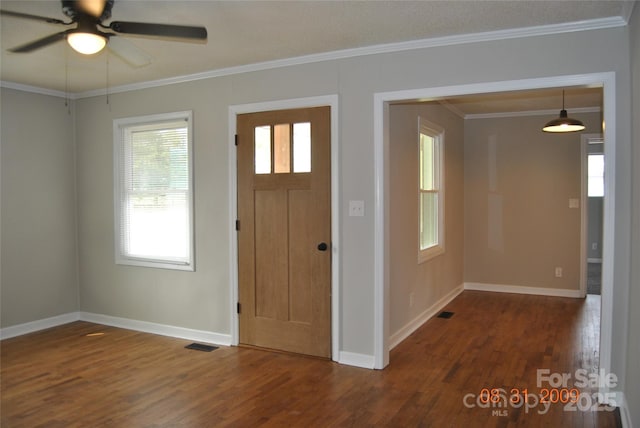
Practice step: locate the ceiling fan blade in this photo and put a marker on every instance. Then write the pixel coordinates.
(34, 17)
(128, 52)
(37, 44)
(160, 30)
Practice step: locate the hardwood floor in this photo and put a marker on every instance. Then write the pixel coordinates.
(63, 378)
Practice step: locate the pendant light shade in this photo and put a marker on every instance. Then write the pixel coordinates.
(563, 123)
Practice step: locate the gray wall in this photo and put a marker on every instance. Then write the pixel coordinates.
(633, 346)
(434, 279)
(39, 256)
(594, 228)
(518, 182)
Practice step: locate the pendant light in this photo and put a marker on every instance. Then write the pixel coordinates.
(563, 123)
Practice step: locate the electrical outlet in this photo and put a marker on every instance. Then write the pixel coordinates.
(558, 272)
(594, 246)
(410, 300)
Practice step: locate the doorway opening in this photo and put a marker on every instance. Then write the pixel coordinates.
(382, 102)
(594, 195)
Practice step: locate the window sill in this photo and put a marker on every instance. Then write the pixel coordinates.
(156, 264)
(430, 253)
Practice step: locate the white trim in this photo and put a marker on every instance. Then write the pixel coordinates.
(381, 146)
(155, 328)
(530, 113)
(540, 30)
(584, 221)
(520, 289)
(37, 325)
(357, 360)
(623, 405)
(427, 314)
(36, 90)
(324, 100)
(380, 233)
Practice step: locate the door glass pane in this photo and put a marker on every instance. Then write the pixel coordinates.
(302, 147)
(262, 139)
(282, 148)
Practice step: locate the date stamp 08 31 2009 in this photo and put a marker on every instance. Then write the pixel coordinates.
(553, 389)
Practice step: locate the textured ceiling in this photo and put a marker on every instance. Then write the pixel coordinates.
(249, 32)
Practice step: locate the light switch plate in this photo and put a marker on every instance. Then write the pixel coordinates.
(574, 203)
(356, 208)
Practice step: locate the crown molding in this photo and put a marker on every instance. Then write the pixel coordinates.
(627, 10)
(37, 90)
(453, 109)
(553, 112)
(540, 30)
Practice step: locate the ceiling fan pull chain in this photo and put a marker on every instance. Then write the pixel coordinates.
(66, 80)
(107, 55)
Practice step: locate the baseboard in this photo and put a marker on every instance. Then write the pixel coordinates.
(517, 289)
(414, 324)
(357, 360)
(161, 329)
(625, 415)
(37, 325)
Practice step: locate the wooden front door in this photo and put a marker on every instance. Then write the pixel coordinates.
(284, 213)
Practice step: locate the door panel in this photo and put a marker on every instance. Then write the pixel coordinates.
(285, 213)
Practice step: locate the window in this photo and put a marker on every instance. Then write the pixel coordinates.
(431, 191)
(154, 191)
(595, 178)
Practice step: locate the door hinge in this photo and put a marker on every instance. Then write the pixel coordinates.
(238, 307)
(236, 139)
(237, 224)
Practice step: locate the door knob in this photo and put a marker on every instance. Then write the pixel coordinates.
(323, 246)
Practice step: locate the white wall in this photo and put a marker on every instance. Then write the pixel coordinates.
(39, 258)
(201, 300)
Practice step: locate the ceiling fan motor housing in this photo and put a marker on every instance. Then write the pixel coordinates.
(70, 8)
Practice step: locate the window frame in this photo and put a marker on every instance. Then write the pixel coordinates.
(438, 134)
(120, 129)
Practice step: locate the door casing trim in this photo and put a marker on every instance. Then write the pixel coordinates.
(234, 110)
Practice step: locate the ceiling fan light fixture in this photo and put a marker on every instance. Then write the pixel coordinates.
(563, 123)
(86, 43)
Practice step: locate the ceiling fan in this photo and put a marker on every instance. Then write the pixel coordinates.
(89, 34)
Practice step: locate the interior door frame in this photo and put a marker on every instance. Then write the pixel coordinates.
(381, 103)
(330, 101)
(585, 139)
